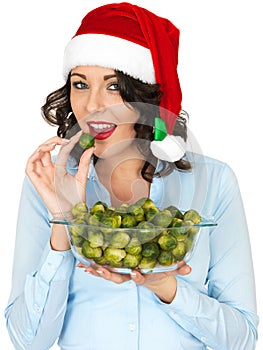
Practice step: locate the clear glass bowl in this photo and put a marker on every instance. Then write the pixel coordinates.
(150, 250)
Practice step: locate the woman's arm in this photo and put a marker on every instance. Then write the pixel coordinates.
(38, 299)
(224, 317)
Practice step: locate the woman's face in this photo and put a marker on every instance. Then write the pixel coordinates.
(99, 109)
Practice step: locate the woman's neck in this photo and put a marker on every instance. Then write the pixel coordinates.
(122, 177)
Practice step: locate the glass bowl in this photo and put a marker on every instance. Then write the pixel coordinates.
(148, 248)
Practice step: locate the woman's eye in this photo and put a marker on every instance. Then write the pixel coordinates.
(79, 85)
(114, 86)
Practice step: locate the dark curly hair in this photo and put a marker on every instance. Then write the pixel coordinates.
(144, 97)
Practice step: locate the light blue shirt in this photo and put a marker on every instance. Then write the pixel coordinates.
(215, 306)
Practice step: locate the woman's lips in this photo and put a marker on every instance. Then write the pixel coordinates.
(101, 130)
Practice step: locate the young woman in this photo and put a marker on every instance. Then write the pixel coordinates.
(121, 85)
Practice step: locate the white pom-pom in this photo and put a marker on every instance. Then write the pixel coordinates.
(171, 148)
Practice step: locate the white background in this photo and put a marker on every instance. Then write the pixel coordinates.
(221, 76)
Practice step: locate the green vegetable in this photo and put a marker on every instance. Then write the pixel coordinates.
(133, 236)
(146, 231)
(111, 221)
(86, 140)
(77, 241)
(128, 220)
(176, 213)
(137, 212)
(147, 263)
(134, 247)
(94, 219)
(132, 261)
(79, 209)
(114, 255)
(150, 213)
(95, 238)
(78, 228)
(119, 240)
(98, 207)
(162, 218)
(150, 250)
(193, 216)
(191, 230)
(179, 251)
(167, 241)
(166, 258)
(90, 252)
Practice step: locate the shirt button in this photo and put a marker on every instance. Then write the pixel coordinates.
(171, 313)
(132, 327)
(203, 339)
(131, 284)
(37, 308)
(52, 266)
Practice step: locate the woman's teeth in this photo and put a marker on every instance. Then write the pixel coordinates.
(101, 127)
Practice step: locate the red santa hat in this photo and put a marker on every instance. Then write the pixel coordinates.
(133, 40)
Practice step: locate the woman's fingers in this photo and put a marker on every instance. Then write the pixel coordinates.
(62, 157)
(84, 163)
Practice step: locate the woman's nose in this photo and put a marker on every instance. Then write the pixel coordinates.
(94, 101)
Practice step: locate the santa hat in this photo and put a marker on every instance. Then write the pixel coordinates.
(133, 40)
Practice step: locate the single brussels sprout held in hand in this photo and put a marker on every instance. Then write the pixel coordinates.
(86, 140)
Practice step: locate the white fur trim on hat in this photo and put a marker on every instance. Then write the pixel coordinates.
(171, 148)
(110, 52)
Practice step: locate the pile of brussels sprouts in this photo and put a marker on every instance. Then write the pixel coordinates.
(133, 236)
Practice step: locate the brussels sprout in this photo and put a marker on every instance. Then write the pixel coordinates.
(148, 204)
(176, 213)
(188, 242)
(166, 258)
(101, 260)
(114, 255)
(132, 261)
(134, 247)
(137, 211)
(147, 263)
(128, 220)
(98, 207)
(150, 213)
(119, 240)
(181, 237)
(111, 221)
(150, 250)
(116, 263)
(90, 252)
(179, 251)
(111, 209)
(141, 201)
(176, 222)
(79, 209)
(167, 242)
(86, 140)
(94, 219)
(123, 208)
(193, 216)
(77, 241)
(191, 230)
(147, 231)
(95, 238)
(78, 228)
(162, 218)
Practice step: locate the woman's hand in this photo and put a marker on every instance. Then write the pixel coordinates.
(58, 189)
(163, 284)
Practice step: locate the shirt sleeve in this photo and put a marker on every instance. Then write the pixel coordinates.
(224, 317)
(38, 298)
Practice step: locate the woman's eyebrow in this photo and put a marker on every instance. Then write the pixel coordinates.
(83, 76)
(79, 75)
(109, 76)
